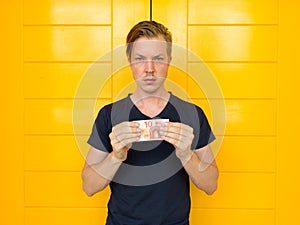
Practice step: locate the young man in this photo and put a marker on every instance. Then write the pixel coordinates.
(149, 180)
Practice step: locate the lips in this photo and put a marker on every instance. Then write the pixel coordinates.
(149, 79)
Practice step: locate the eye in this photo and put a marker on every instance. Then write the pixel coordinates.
(139, 59)
(159, 59)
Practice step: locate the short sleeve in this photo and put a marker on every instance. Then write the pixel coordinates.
(204, 134)
(99, 137)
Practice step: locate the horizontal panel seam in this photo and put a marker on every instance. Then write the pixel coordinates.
(68, 25)
(65, 61)
(233, 208)
(62, 98)
(63, 207)
(233, 24)
(232, 61)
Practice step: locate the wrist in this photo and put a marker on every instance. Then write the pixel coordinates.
(203, 166)
(114, 159)
(184, 158)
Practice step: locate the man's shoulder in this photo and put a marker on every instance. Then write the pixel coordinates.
(117, 104)
(189, 112)
(117, 111)
(185, 104)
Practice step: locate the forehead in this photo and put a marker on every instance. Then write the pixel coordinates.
(146, 46)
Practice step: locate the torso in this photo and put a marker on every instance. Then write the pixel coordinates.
(141, 187)
(143, 182)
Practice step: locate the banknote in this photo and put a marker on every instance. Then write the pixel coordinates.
(150, 129)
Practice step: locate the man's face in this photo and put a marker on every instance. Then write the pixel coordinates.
(149, 63)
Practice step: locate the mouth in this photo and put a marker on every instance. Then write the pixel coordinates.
(149, 79)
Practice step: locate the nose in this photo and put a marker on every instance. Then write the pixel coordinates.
(149, 67)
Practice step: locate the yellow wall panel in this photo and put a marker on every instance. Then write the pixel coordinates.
(61, 80)
(171, 17)
(233, 43)
(123, 83)
(63, 216)
(178, 81)
(245, 117)
(11, 161)
(257, 117)
(67, 12)
(59, 189)
(126, 13)
(232, 217)
(55, 116)
(239, 191)
(288, 154)
(48, 117)
(233, 12)
(66, 43)
(238, 80)
(247, 154)
(53, 153)
(194, 87)
(174, 17)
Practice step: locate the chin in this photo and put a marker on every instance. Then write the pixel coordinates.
(149, 91)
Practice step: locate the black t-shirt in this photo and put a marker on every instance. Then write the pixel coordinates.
(151, 187)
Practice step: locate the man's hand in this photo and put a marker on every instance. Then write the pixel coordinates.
(122, 137)
(181, 136)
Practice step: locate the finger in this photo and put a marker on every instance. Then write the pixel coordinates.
(177, 133)
(173, 135)
(124, 137)
(179, 140)
(179, 127)
(125, 143)
(179, 143)
(126, 127)
(130, 124)
(176, 138)
(172, 141)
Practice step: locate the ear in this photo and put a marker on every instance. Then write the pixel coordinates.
(170, 60)
(129, 61)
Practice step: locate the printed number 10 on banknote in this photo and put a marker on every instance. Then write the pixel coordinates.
(150, 129)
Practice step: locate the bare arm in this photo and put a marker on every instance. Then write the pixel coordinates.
(99, 169)
(203, 170)
(199, 164)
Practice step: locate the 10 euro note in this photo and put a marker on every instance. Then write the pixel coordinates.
(150, 129)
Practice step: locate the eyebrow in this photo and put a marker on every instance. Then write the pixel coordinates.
(159, 55)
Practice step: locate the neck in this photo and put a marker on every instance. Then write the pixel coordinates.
(146, 98)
